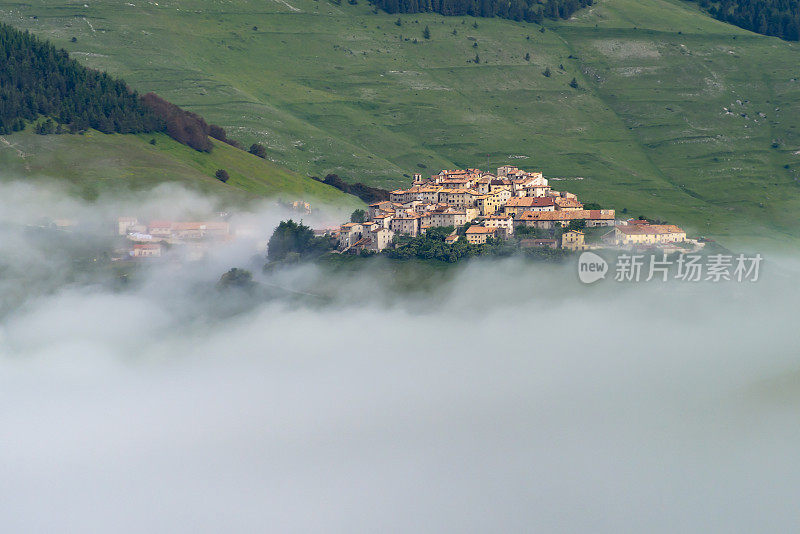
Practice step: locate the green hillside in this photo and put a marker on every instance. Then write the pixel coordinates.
(94, 163)
(331, 88)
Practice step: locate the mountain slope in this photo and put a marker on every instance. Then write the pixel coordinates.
(334, 89)
(95, 163)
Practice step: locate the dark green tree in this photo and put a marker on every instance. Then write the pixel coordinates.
(46, 127)
(296, 240)
(236, 278)
(576, 224)
(358, 216)
(258, 150)
(222, 175)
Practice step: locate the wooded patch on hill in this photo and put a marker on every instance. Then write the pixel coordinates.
(778, 18)
(527, 10)
(38, 80)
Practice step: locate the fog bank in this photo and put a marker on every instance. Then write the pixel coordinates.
(503, 397)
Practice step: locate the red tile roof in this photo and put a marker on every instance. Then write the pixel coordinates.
(530, 202)
(480, 230)
(650, 229)
(566, 215)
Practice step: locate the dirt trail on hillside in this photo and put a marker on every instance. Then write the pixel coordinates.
(20, 153)
(284, 2)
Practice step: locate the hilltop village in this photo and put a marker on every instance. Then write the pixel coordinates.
(512, 209)
(481, 206)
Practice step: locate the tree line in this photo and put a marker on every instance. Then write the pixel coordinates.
(519, 10)
(36, 79)
(41, 84)
(777, 18)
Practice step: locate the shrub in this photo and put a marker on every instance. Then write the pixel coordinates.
(222, 175)
(258, 150)
(236, 278)
(218, 133)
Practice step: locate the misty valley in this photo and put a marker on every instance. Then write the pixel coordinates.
(314, 266)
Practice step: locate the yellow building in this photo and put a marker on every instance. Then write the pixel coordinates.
(648, 234)
(490, 203)
(567, 204)
(573, 240)
(477, 235)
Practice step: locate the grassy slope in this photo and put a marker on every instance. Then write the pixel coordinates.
(95, 162)
(334, 89)
(670, 78)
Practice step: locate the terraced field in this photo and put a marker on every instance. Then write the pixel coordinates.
(676, 116)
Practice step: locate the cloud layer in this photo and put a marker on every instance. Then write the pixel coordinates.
(501, 396)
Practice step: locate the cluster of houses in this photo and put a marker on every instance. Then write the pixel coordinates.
(478, 205)
(151, 239)
(493, 205)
